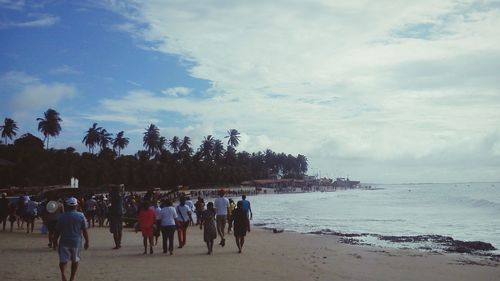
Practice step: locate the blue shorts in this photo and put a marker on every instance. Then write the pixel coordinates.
(69, 254)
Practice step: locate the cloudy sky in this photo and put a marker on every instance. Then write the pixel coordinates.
(380, 91)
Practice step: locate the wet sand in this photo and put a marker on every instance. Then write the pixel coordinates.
(266, 256)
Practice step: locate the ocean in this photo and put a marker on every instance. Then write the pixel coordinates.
(463, 211)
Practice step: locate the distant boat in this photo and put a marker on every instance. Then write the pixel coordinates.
(343, 182)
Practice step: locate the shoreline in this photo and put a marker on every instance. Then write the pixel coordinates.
(446, 244)
(266, 256)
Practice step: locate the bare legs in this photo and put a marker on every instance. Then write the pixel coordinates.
(30, 224)
(74, 268)
(145, 243)
(118, 240)
(210, 246)
(20, 223)
(240, 240)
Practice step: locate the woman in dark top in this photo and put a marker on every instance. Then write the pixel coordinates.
(240, 220)
(208, 222)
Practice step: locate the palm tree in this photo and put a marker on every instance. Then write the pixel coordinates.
(207, 146)
(105, 139)
(91, 138)
(186, 145)
(49, 126)
(151, 139)
(233, 137)
(175, 143)
(218, 150)
(162, 143)
(9, 129)
(120, 142)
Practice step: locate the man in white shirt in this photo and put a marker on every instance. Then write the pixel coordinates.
(190, 204)
(221, 205)
(168, 217)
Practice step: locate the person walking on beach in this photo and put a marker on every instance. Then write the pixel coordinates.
(101, 211)
(199, 208)
(146, 222)
(221, 206)
(168, 216)
(208, 225)
(90, 210)
(240, 217)
(116, 216)
(30, 215)
(69, 228)
(183, 213)
(53, 209)
(247, 208)
(20, 212)
(190, 204)
(230, 210)
(4, 210)
(157, 230)
(12, 215)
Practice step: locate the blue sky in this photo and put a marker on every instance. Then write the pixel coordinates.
(383, 92)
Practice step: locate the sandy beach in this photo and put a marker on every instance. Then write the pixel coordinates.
(266, 256)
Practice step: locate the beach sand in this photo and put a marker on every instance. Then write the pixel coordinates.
(266, 256)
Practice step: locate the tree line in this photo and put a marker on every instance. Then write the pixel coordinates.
(164, 163)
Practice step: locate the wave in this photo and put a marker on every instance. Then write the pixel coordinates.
(478, 203)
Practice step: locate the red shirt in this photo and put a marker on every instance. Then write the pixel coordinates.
(147, 218)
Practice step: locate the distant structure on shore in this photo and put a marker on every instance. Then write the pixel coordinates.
(346, 183)
(309, 183)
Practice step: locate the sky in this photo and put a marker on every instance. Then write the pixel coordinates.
(379, 91)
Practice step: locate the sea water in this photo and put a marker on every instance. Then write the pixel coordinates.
(463, 211)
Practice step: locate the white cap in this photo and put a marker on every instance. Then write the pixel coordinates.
(71, 201)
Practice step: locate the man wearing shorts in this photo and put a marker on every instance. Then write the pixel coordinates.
(221, 205)
(70, 227)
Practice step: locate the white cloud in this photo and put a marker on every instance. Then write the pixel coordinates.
(31, 93)
(39, 21)
(12, 4)
(64, 70)
(14, 79)
(133, 83)
(177, 91)
(364, 83)
(42, 95)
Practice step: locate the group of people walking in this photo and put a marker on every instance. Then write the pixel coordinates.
(67, 221)
(212, 218)
(24, 210)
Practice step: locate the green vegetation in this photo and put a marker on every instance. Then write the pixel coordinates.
(164, 163)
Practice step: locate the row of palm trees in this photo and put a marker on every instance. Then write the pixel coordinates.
(163, 162)
(49, 125)
(99, 137)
